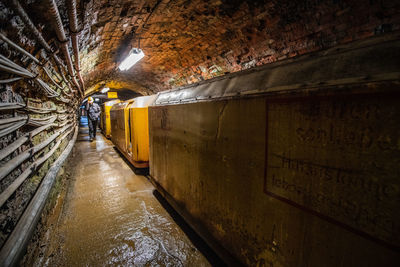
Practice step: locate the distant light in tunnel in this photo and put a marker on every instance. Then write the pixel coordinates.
(134, 56)
(96, 99)
(105, 90)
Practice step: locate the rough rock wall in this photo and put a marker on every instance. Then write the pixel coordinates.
(37, 115)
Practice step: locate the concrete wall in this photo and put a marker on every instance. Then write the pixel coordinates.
(288, 181)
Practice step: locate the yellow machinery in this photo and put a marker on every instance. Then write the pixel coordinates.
(105, 121)
(139, 125)
(119, 115)
(130, 129)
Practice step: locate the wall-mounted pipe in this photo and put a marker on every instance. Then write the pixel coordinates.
(20, 141)
(13, 119)
(5, 195)
(40, 110)
(18, 48)
(11, 80)
(13, 163)
(11, 128)
(26, 53)
(10, 67)
(41, 121)
(73, 26)
(36, 33)
(16, 244)
(59, 28)
(11, 105)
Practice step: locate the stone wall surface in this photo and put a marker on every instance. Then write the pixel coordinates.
(190, 41)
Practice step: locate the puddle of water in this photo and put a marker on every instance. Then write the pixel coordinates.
(111, 217)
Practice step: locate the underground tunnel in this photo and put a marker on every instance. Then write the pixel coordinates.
(200, 133)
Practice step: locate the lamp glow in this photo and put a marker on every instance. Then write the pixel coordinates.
(105, 90)
(134, 56)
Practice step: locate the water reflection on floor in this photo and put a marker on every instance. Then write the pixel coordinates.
(111, 217)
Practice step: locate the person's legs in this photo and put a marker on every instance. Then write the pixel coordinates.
(90, 124)
(94, 128)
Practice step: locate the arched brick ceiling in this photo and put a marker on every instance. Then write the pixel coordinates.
(189, 41)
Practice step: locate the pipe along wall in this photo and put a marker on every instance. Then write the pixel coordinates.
(37, 123)
(292, 164)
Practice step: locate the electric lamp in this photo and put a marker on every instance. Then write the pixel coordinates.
(134, 56)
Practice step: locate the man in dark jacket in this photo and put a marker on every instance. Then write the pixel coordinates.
(93, 113)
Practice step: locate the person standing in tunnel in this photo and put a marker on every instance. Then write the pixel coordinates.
(93, 113)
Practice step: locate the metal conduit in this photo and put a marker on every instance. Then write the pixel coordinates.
(62, 99)
(16, 244)
(63, 123)
(66, 82)
(16, 72)
(24, 52)
(27, 21)
(9, 66)
(13, 119)
(51, 79)
(5, 195)
(73, 24)
(12, 128)
(3, 126)
(16, 161)
(42, 121)
(40, 110)
(10, 105)
(18, 48)
(11, 80)
(59, 28)
(20, 141)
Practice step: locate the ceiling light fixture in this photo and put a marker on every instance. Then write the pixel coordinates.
(134, 56)
(105, 90)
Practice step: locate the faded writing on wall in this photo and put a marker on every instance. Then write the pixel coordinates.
(338, 158)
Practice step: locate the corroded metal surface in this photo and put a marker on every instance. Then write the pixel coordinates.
(359, 62)
(111, 217)
(293, 180)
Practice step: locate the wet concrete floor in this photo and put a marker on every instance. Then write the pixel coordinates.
(110, 216)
